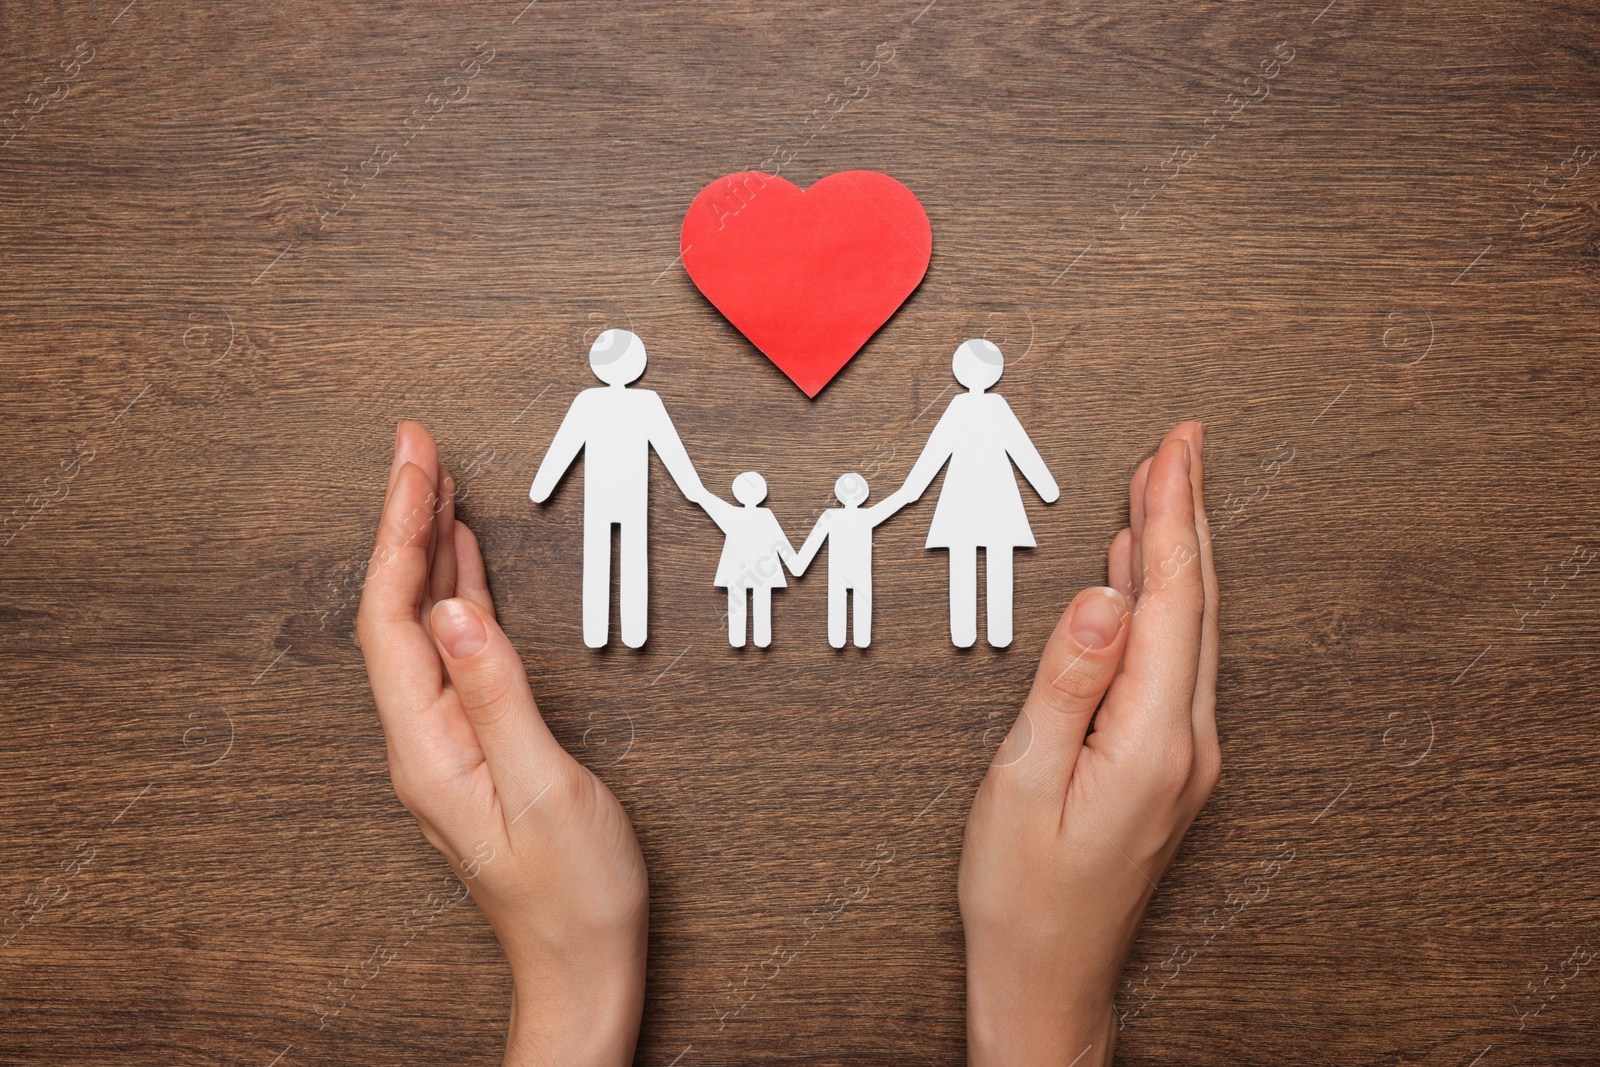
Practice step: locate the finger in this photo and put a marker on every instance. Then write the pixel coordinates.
(412, 444)
(442, 577)
(472, 581)
(1136, 518)
(1205, 689)
(401, 663)
(492, 688)
(1077, 666)
(1119, 564)
(1149, 713)
(433, 539)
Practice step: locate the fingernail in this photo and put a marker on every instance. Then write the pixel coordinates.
(458, 629)
(1186, 461)
(1097, 617)
(1200, 436)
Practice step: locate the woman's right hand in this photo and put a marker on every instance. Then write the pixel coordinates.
(1069, 833)
(545, 849)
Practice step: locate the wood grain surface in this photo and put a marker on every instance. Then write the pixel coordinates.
(238, 243)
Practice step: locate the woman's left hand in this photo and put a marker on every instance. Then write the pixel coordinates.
(1070, 833)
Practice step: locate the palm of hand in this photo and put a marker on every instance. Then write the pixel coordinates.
(1071, 829)
(543, 846)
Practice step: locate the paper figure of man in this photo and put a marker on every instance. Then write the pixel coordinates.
(848, 533)
(615, 427)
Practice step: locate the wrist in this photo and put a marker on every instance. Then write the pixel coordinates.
(1008, 1039)
(589, 1019)
(1021, 1016)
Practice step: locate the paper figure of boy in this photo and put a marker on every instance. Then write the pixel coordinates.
(753, 557)
(848, 532)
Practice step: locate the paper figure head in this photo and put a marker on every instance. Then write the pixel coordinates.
(851, 489)
(977, 364)
(749, 489)
(617, 357)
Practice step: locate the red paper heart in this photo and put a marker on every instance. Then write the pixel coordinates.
(807, 275)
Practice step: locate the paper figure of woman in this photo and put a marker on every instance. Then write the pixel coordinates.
(979, 504)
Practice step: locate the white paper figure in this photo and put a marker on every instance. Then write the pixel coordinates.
(979, 505)
(753, 557)
(615, 427)
(848, 533)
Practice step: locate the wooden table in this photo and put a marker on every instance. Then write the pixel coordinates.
(239, 242)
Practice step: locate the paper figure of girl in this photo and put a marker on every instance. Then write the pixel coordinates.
(979, 505)
(753, 557)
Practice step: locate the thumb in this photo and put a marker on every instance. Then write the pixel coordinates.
(1077, 667)
(492, 688)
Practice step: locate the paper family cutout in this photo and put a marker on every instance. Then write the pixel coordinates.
(979, 506)
(808, 275)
